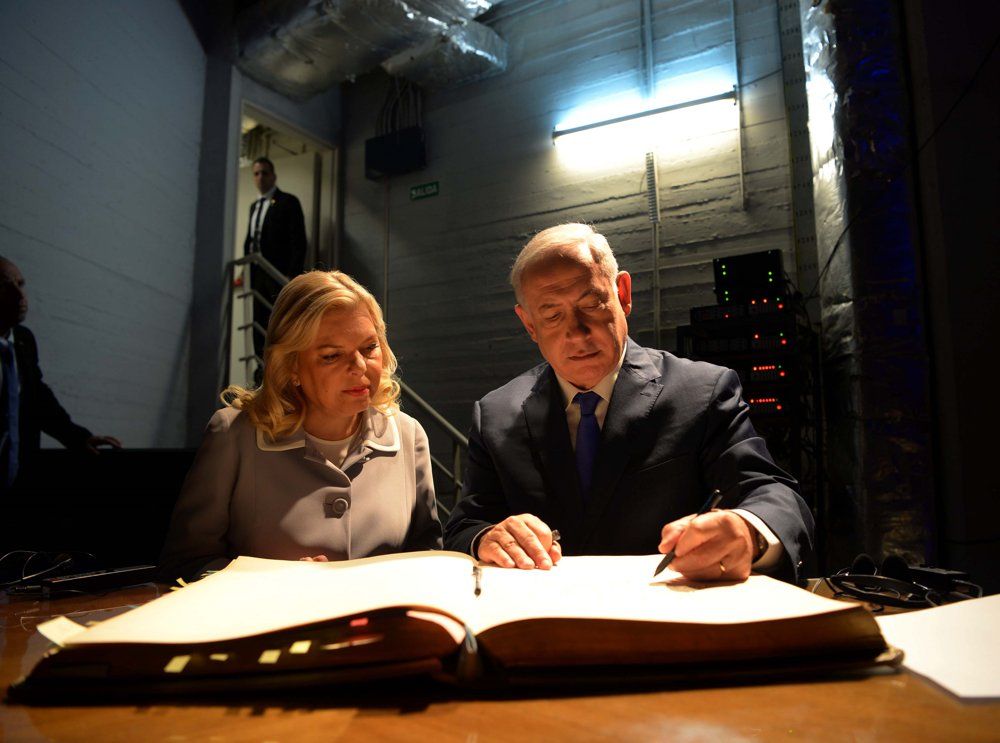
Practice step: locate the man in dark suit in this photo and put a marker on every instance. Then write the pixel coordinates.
(277, 230)
(27, 405)
(615, 445)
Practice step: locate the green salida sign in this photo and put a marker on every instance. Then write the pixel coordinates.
(424, 191)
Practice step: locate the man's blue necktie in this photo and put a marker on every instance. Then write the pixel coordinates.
(588, 438)
(10, 403)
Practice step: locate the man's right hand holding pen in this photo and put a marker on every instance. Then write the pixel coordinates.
(717, 545)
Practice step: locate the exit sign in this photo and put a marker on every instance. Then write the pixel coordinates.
(423, 191)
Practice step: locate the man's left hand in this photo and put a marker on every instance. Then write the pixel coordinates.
(714, 546)
(95, 441)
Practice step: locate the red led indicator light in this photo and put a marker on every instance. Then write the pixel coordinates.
(362, 622)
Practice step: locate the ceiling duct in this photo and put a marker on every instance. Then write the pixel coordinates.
(461, 54)
(302, 47)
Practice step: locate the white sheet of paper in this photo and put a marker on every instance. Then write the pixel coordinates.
(956, 646)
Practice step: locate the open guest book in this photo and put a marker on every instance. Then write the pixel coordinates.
(271, 624)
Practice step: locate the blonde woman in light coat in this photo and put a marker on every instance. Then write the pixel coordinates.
(318, 463)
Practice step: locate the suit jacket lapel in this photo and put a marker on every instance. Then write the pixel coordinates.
(632, 399)
(546, 421)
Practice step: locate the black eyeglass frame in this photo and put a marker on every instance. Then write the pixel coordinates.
(884, 590)
(52, 568)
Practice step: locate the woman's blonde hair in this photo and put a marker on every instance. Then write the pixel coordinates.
(278, 407)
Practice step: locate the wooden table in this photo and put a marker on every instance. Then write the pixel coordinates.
(885, 707)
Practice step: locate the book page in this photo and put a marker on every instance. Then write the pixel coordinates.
(253, 596)
(622, 587)
(955, 645)
(60, 630)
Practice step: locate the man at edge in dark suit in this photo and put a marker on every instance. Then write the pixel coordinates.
(27, 405)
(616, 445)
(277, 230)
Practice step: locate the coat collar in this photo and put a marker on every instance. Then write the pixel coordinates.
(380, 432)
(18, 335)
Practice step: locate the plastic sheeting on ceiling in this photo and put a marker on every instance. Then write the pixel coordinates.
(302, 47)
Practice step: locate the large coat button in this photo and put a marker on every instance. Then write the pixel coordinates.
(337, 508)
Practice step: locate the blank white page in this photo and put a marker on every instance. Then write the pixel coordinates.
(956, 646)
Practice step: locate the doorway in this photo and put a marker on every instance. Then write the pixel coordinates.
(304, 167)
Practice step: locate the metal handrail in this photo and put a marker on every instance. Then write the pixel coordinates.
(264, 263)
(257, 296)
(459, 442)
(455, 434)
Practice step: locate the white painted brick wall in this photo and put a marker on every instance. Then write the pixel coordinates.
(100, 129)
(489, 145)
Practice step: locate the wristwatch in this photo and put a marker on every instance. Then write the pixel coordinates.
(760, 544)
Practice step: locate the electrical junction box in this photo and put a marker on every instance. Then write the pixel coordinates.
(395, 153)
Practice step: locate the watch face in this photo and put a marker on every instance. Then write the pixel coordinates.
(761, 546)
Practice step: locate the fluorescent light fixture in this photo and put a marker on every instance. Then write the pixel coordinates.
(728, 95)
(680, 134)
